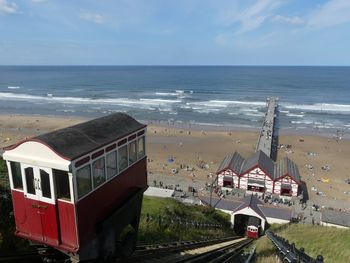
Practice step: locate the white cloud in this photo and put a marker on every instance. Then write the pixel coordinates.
(294, 20)
(252, 17)
(332, 13)
(92, 17)
(221, 39)
(7, 7)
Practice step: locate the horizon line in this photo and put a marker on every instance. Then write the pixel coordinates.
(163, 65)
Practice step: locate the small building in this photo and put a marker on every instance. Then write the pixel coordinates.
(248, 208)
(287, 178)
(335, 218)
(259, 174)
(229, 170)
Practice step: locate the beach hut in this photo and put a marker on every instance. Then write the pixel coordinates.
(287, 180)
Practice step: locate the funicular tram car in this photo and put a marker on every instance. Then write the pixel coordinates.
(77, 189)
(253, 227)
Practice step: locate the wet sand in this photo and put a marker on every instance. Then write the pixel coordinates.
(207, 148)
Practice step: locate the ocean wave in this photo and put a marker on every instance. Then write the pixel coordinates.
(302, 122)
(13, 87)
(320, 107)
(226, 103)
(166, 93)
(78, 100)
(295, 115)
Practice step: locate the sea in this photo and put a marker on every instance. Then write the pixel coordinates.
(311, 99)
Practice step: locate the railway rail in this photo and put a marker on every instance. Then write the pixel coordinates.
(41, 254)
(215, 250)
(289, 253)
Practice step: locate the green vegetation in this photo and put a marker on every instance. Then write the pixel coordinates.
(332, 243)
(8, 241)
(3, 174)
(171, 212)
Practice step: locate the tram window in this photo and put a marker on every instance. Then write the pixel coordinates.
(141, 147)
(84, 181)
(45, 184)
(122, 157)
(111, 163)
(29, 173)
(16, 175)
(98, 171)
(62, 184)
(132, 152)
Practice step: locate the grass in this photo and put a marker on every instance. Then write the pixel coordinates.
(170, 230)
(330, 242)
(3, 174)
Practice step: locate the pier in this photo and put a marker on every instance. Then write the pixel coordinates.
(268, 137)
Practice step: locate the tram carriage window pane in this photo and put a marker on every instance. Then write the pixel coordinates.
(122, 157)
(141, 147)
(29, 173)
(132, 152)
(111, 163)
(62, 184)
(45, 184)
(98, 171)
(16, 175)
(84, 180)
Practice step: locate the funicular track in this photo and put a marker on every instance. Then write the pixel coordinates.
(40, 254)
(215, 250)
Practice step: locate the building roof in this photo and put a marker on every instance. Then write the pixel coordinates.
(249, 201)
(159, 192)
(259, 159)
(252, 202)
(276, 212)
(233, 162)
(220, 203)
(77, 140)
(286, 167)
(335, 217)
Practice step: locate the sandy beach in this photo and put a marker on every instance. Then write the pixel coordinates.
(195, 148)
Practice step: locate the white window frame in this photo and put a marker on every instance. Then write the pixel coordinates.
(8, 164)
(38, 196)
(74, 196)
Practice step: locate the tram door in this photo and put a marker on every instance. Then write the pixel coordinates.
(40, 204)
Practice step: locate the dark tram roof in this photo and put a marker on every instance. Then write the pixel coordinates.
(77, 140)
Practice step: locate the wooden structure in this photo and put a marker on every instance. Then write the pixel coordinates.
(266, 137)
(77, 188)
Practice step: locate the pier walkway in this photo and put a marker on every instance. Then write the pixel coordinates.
(267, 137)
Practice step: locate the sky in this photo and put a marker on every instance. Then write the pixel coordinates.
(175, 32)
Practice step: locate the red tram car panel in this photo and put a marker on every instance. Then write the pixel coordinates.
(90, 206)
(68, 233)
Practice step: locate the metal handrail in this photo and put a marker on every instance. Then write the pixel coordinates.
(289, 253)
